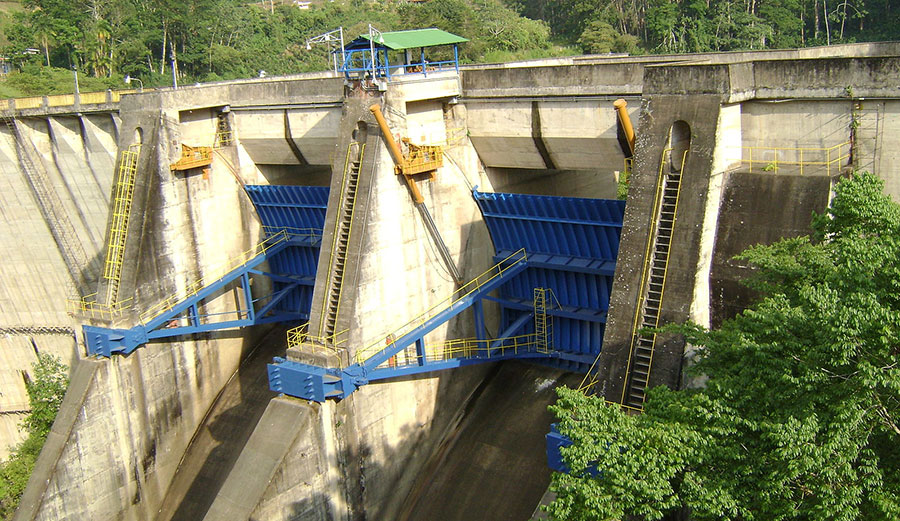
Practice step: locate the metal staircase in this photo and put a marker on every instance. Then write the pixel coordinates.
(118, 230)
(653, 282)
(52, 210)
(343, 225)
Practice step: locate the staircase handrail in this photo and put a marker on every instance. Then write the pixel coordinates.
(220, 271)
(645, 276)
(377, 346)
(485, 348)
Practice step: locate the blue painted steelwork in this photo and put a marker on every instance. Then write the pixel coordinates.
(572, 244)
(556, 441)
(364, 56)
(295, 210)
(316, 383)
(293, 218)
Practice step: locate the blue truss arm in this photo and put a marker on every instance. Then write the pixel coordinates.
(318, 383)
(106, 341)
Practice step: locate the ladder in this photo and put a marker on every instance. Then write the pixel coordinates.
(653, 287)
(118, 229)
(543, 326)
(340, 240)
(52, 210)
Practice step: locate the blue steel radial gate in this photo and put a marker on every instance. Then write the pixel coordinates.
(562, 245)
(572, 244)
(292, 218)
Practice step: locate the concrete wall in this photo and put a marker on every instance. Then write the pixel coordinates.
(77, 156)
(184, 227)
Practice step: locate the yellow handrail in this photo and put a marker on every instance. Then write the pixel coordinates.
(89, 307)
(470, 287)
(115, 250)
(465, 348)
(774, 158)
(645, 275)
(218, 272)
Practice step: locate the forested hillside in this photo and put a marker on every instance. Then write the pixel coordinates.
(208, 40)
(673, 26)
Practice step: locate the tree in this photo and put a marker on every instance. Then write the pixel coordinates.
(800, 414)
(600, 37)
(46, 388)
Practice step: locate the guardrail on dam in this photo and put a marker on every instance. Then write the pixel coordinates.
(721, 141)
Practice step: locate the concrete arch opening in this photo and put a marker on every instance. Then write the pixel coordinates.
(679, 144)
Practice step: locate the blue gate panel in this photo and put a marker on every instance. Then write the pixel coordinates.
(295, 210)
(290, 207)
(572, 244)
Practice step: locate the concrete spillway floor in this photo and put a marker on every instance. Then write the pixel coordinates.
(220, 440)
(494, 465)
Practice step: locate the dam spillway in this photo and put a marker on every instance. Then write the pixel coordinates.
(537, 129)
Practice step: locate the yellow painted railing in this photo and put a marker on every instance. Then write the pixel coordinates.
(772, 159)
(469, 288)
(216, 272)
(645, 275)
(300, 337)
(337, 230)
(466, 348)
(4, 104)
(88, 307)
(60, 100)
(193, 157)
(115, 250)
(425, 158)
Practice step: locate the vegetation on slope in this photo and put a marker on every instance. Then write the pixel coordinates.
(799, 417)
(677, 26)
(208, 40)
(46, 389)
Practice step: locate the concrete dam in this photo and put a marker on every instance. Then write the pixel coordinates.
(170, 244)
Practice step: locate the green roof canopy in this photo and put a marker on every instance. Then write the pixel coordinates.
(400, 40)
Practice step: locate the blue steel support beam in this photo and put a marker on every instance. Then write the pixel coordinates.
(248, 296)
(478, 312)
(432, 323)
(276, 298)
(421, 356)
(105, 342)
(215, 287)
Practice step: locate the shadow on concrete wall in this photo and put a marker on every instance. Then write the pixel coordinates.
(220, 439)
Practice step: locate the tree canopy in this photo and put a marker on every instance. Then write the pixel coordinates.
(799, 416)
(208, 40)
(46, 388)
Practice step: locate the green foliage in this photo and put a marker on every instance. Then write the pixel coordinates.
(799, 417)
(600, 37)
(226, 39)
(46, 388)
(719, 25)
